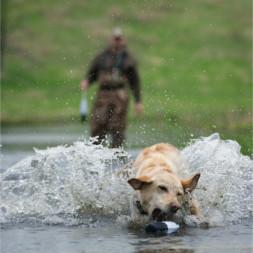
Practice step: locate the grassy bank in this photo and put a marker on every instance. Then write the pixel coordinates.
(194, 59)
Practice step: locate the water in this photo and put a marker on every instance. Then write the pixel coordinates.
(114, 239)
(18, 142)
(225, 189)
(69, 198)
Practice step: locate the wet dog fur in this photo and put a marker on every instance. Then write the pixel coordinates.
(160, 194)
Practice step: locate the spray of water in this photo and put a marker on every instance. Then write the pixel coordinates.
(63, 184)
(70, 184)
(226, 183)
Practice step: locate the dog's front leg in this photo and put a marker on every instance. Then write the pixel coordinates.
(193, 216)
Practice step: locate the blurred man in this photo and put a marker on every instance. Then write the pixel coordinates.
(115, 70)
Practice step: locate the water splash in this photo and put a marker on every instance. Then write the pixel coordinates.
(225, 189)
(70, 184)
(63, 183)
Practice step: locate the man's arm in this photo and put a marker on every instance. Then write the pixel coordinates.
(92, 72)
(91, 75)
(134, 82)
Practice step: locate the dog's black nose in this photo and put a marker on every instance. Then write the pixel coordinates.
(174, 208)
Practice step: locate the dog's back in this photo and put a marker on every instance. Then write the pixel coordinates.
(158, 155)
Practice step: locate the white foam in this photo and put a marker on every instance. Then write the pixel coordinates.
(64, 181)
(226, 184)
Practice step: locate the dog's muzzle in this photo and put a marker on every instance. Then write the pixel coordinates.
(159, 215)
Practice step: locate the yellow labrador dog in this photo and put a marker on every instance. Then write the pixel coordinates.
(160, 193)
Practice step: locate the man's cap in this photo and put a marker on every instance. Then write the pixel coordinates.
(117, 32)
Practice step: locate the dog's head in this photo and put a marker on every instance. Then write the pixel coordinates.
(162, 195)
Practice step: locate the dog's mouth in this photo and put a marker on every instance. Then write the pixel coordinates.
(159, 215)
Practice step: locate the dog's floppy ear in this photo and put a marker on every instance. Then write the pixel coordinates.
(139, 182)
(190, 184)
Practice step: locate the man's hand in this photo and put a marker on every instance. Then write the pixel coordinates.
(138, 108)
(84, 85)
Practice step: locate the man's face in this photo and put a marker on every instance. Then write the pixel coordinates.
(117, 42)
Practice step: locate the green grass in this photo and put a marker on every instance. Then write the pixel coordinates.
(194, 59)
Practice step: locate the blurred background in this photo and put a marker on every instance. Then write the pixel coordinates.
(194, 59)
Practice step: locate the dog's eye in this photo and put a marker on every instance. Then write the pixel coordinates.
(163, 188)
(179, 194)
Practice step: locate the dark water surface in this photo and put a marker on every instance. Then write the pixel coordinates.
(18, 142)
(110, 238)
